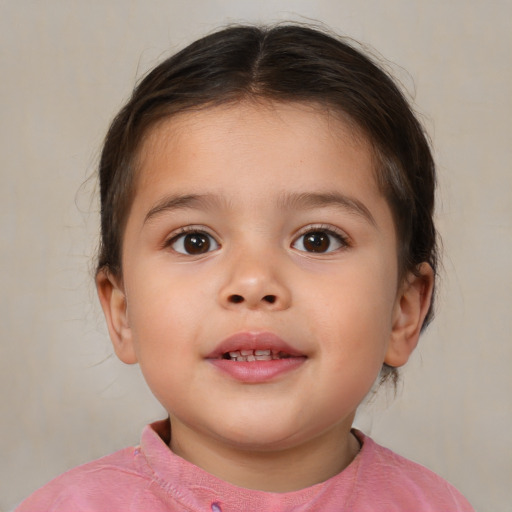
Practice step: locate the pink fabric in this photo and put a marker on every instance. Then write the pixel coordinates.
(151, 478)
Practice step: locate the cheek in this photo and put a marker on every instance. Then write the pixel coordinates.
(169, 308)
(158, 311)
(353, 315)
(366, 291)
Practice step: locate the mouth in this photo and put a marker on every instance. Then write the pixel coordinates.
(256, 357)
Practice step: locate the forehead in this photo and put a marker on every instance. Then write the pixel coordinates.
(288, 136)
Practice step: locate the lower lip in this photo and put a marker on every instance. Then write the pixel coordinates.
(254, 372)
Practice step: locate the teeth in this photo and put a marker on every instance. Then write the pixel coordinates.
(256, 355)
(263, 358)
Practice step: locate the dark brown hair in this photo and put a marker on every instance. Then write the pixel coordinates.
(281, 63)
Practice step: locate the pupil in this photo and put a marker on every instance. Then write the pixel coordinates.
(316, 242)
(196, 243)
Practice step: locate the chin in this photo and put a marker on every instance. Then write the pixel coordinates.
(263, 436)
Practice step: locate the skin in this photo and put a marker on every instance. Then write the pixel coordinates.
(343, 309)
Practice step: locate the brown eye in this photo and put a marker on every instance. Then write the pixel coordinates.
(194, 243)
(316, 241)
(319, 242)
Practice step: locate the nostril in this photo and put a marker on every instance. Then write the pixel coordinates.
(236, 299)
(270, 299)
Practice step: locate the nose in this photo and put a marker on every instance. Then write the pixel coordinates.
(255, 283)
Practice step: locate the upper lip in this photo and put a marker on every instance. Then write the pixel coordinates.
(253, 340)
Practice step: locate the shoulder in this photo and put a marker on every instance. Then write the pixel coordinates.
(393, 479)
(98, 485)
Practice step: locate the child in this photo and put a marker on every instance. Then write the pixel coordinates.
(268, 250)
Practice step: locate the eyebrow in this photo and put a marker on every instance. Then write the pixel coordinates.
(288, 201)
(182, 202)
(311, 200)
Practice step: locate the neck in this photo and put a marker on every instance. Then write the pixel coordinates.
(283, 470)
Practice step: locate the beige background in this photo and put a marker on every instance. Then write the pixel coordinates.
(67, 66)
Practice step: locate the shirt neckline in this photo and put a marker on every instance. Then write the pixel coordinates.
(199, 490)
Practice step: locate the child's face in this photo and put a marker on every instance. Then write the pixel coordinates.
(259, 228)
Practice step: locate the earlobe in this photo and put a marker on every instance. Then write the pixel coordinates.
(113, 303)
(411, 308)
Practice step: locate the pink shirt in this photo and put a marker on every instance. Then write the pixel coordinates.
(151, 478)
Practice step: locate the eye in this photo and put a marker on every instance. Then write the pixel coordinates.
(193, 243)
(320, 241)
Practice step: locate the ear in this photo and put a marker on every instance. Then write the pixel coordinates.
(113, 303)
(411, 308)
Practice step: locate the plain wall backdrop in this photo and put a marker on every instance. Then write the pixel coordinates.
(66, 67)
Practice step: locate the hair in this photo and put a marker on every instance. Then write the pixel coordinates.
(284, 63)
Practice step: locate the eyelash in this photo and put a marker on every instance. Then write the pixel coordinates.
(190, 230)
(340, 237)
